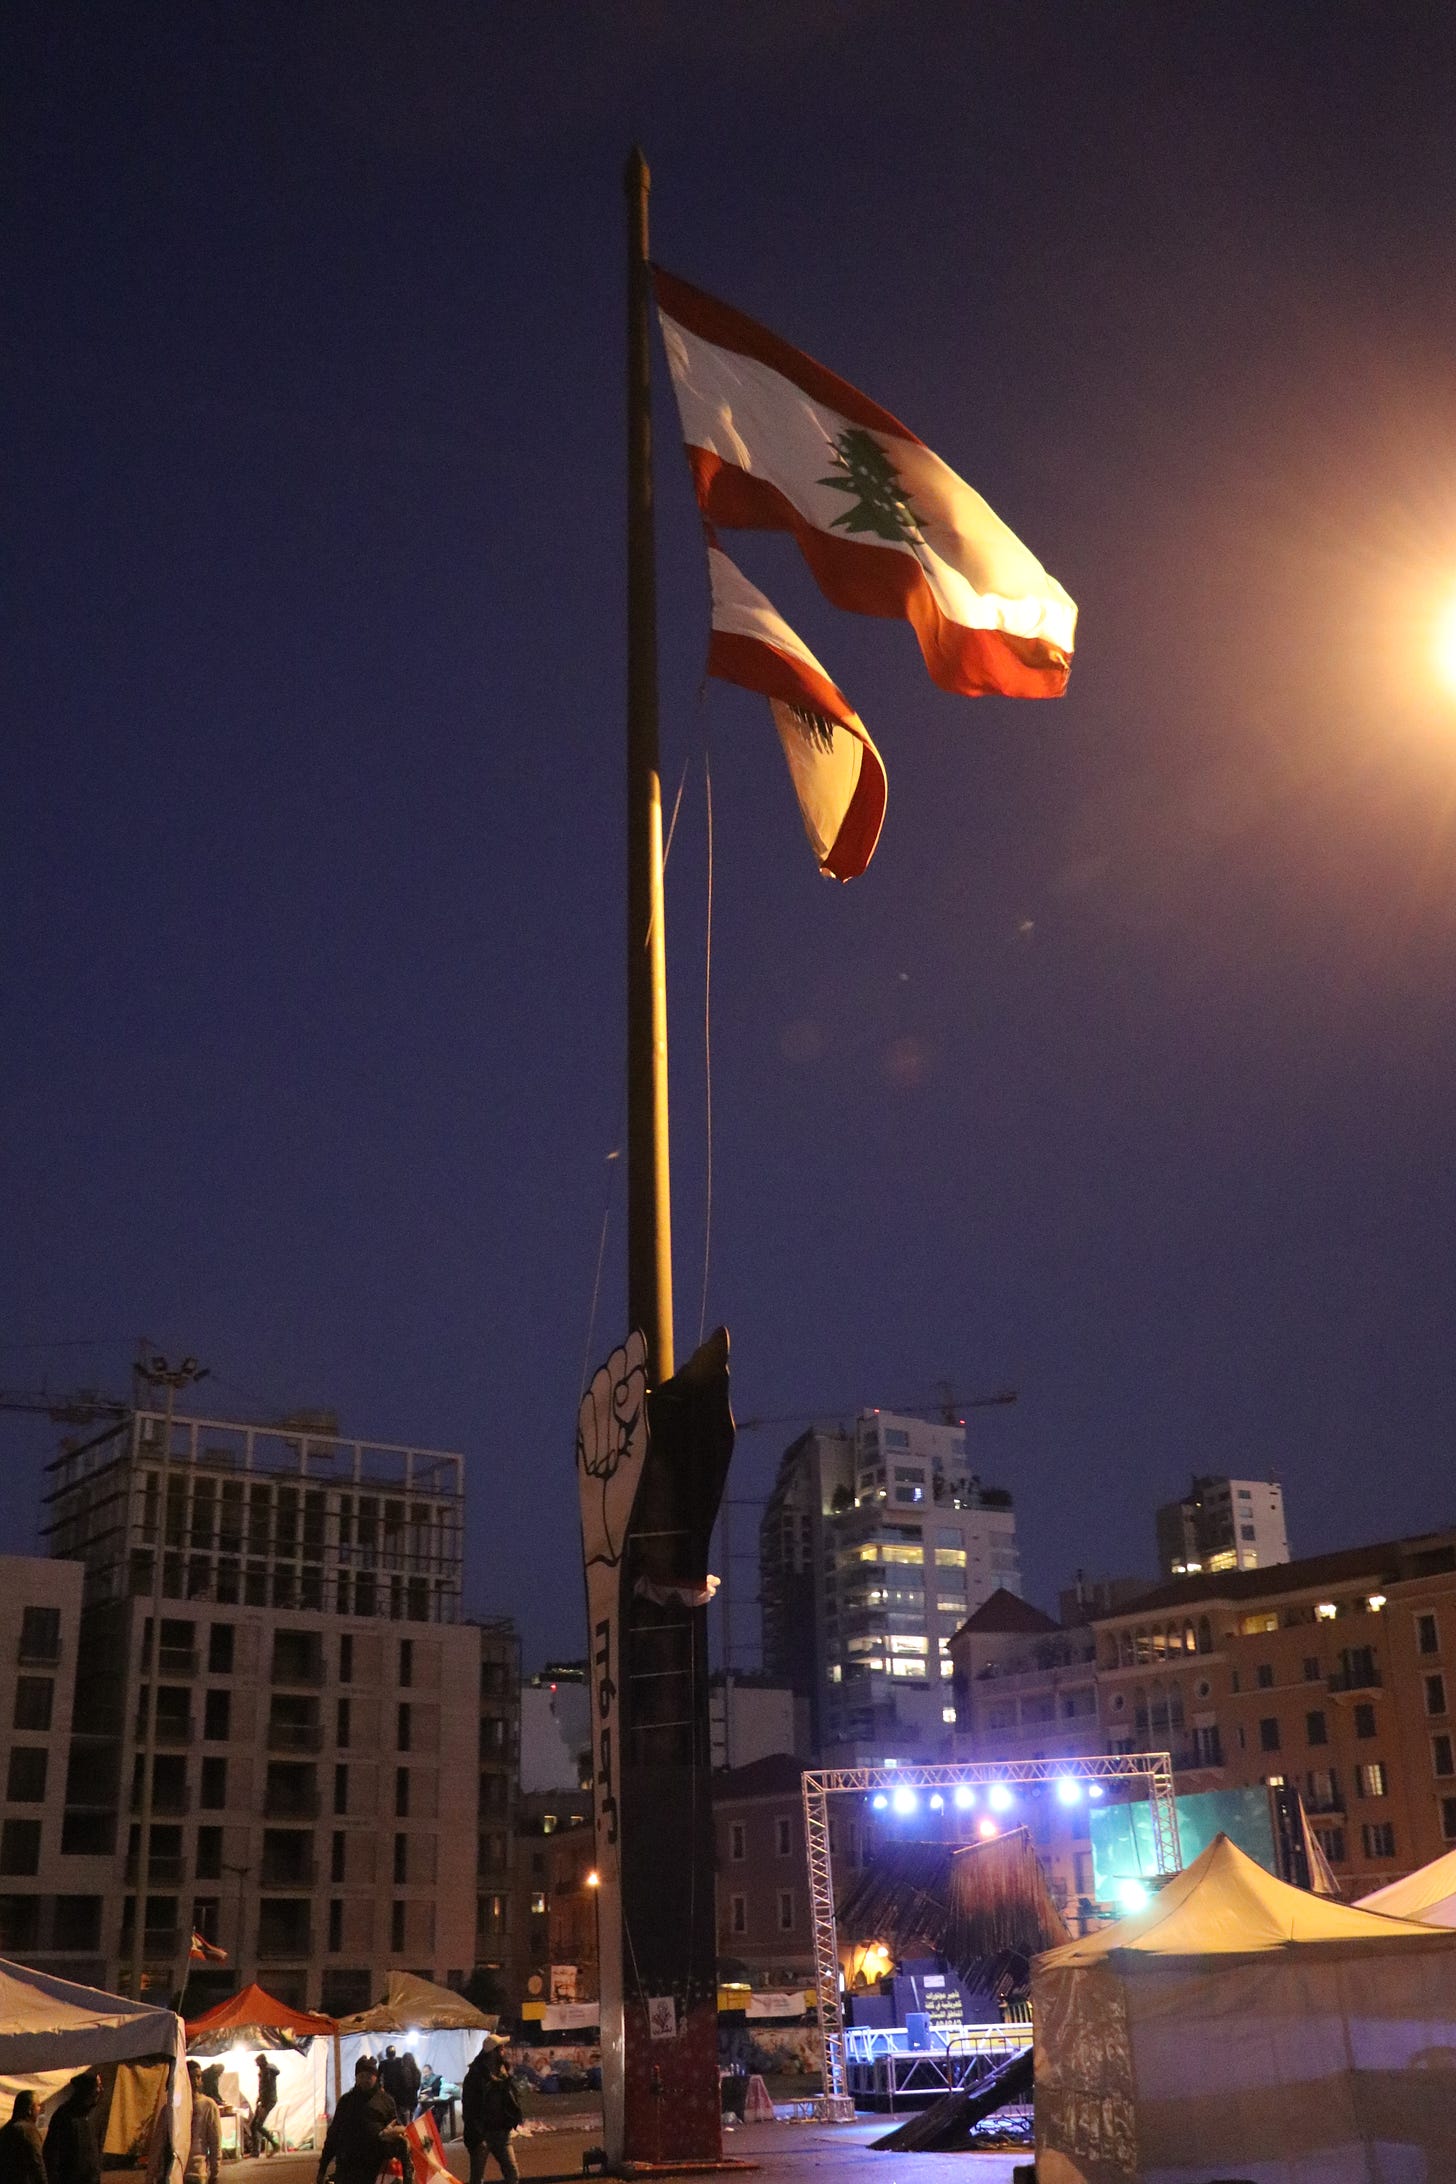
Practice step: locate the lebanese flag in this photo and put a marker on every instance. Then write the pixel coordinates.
(837, 773)
(777, 443)
(426, 2153)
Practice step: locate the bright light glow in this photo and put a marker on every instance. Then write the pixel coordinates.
(904, 1801)
(987, 1828)
(998, 1797)
(937, 1803)
(1131, 1896)
(1094, 1789)
(1446, 646)
(965, 1797)
(880, 1801)
(1376, 1602)
(239, 2058)
(593, 1880)
(1069, 1789)
(1326, 1611)
(413, 2037)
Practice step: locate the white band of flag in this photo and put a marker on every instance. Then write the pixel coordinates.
(777, 442)
(837, 773)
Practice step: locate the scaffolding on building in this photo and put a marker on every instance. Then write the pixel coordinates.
(282, 1516)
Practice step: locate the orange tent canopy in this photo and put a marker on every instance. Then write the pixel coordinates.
(246, 2019)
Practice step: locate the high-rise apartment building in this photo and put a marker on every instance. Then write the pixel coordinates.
(1223, 1524)
(876, 1544)
(314, 1786)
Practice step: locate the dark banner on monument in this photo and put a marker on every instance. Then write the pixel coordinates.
(651, 1470)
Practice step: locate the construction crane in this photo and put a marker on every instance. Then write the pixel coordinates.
(82, 1408)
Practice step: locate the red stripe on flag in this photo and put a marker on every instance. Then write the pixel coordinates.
(729, 329)
(754, 665)
(866, 579)
(855, 843)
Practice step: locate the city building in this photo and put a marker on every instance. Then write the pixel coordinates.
(765, 1925)
(498, 1789)
(1335, 1675)
(303, 1776)
(875, 1545)
(554, 1906)
(1026, 1688)
(752, 1717)
(1223, 1524)
(52, 1901)
(556, 1728)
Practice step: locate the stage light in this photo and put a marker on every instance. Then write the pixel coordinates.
(880, 1801)
(1069, 1789)
(1131, 1896)
(987, 1828)
(937, 1803)
(413, 2037)
(998, 1797)
(1095, 1789)
(904, 1801)
(965, 1797)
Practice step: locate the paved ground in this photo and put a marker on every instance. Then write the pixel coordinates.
(784, 2153)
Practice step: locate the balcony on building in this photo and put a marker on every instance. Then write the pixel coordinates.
(298, 1657)
(1357, 1671)
(288, 1859)
(291, 1792)
(283, 1930)
(294, 1724)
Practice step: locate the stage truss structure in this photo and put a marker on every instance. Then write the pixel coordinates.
(1150, 1771)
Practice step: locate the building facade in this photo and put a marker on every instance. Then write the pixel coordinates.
(1223, 1524)
(293, 1726)
(875, 1545)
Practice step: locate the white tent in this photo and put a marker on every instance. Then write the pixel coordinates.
(1238, 2027)
(50, 2029)
(437, 2026)
(1429, 1895)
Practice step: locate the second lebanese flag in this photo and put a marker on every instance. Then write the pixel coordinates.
(778, 443)
(836, 770)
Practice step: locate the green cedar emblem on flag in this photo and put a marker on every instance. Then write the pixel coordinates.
(879, 501)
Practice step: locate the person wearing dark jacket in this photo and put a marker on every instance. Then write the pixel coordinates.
(71, 2153)
(264, 2140)
(489, 2112)
(363, 2130)
(400, 2077)
(21, 2161)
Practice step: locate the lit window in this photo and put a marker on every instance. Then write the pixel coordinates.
(1326, 1611)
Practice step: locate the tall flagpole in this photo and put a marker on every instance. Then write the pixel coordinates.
(649, 1214)
(653, 1447)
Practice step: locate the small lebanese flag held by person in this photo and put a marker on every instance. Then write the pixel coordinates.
(203, 1951)
(837, 773)
(427, 2154)
(778, 443)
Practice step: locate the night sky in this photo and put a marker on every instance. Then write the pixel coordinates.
(1125, 1076)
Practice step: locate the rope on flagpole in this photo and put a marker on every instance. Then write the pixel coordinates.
(707, 1043)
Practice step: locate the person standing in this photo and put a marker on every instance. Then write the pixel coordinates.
(489, 2112)
(363, 2130)
(264, 2140)
(70, 2153)
(204, 2155)
(21, 2161)
(400, 2077)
